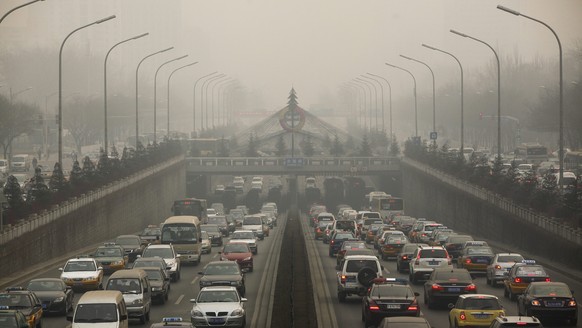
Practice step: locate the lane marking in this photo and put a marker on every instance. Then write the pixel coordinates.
(194, 281)
(179, 299)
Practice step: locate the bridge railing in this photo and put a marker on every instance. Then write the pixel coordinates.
(549, 224)
(359, 164)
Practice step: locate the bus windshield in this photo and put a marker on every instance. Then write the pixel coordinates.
(189, 207)
(179, 234)
(392, 204)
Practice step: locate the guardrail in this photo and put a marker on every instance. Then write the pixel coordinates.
(35, 221)
(281, 164)
(549, 224)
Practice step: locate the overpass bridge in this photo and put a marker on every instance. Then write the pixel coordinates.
(298, 166)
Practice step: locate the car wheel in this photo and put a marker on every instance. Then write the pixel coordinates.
(456, 324)
(142, 319)
(162, 299)
(413, 279)
(512, 296)
(574, 322)
(341, 296)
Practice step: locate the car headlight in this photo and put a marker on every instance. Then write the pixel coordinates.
(253, 245)
(248, 258)
(237, 313)
(196, 313)
(117, 263)
(156, 289)
(89, 279)
(138, 301)
(59, 299)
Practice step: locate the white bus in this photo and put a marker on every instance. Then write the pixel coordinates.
(183, 232)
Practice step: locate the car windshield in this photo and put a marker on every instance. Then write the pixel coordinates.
(352, 245)
(550, 290)
(128, 241)
(252, 220)
(108, 252)
(126, 286)
(452, 275)
(433, 253)
(100, 312)
(151, 232)
(213, 296)
(220, 220)
(398, 239)
(387, 291)
(243, 235)
(163, 252)
(510, 258)
(15, 301)
(149, 263)
(475, 303)
(531, 271)
(343, 236)
(44, 285)
(479, 251)
(154, 274)
(357, 265)
(221, 269)
(210, 228)
(345, 225)
(80, 266)
(236, 248)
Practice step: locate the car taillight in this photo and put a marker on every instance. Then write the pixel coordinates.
(548, 280)
(343, 279)
(318, 230)
(413, 307)
(517, 280)
(437, 287)
(373, 306)
(332, 242)
(471, 288)
(404, 257)
(462, 315)
(535, 303)
(468, 261)
(498, 267)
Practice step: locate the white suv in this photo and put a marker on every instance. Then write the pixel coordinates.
(425, 260)
(356, 274)
(169, 255)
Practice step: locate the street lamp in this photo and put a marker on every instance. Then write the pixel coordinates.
(498, 91)
(105, 142)
(211, 76)
(60, 159)
(218, 83)
(18, 7)
(561, 141)
(136, 93)
(415, 100)
(221, 86)
(462, 91)
(390, 95)
(194, 102)
(382, 93)
(363, 97)
(368, 84)
(208, 82)
(169, 77)
(155, 93)
(433, 91)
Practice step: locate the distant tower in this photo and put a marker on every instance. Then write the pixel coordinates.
(292, 106)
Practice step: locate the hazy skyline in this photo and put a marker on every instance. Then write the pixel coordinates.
(313, 46)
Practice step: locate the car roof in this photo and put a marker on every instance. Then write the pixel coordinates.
(464, 296)
(218, 288)
(159, 246)
(360, 257)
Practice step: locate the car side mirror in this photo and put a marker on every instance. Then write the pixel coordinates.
(178, 256)
(145, 290)
(61, 269)
(69, 318)
(416, 294)
(451, 305)
(100, 268)
(200, 272)
(192, 300)
(123, 317)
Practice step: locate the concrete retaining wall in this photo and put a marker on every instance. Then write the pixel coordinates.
(142, 199)
(433, 195)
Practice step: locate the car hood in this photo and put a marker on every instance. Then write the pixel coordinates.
(157, 283)
(248, 241)
(49, 295)
(79, 274)
(252, 227)
(217, 307)
(220, 277)
(108, 259)
(96, 324)
(236, 256)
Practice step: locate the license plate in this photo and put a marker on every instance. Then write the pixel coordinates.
(554, 304)
(216, 320)
(44, 306)
(481, 316)
(392, 306)
(482, 261)
(454, 290)
(433, 263)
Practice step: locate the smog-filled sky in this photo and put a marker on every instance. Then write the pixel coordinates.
(268, 46)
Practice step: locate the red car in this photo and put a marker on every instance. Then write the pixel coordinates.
(239, 252)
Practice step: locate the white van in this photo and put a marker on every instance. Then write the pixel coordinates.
(3, 166)
(20, 162)
(100, 308)
(135, 288)
(254, 223)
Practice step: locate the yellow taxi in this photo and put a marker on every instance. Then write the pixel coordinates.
(475, 310)
(82, 273)
(12, 318)
(111, 257)
(521, 275)
(475, 259)
(25, 301)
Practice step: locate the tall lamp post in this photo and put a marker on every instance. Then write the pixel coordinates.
(218, 82)
(105, 85)
(368, 84)
(353, 100)
(360, 87)
(209, 82)
(194, 101)
(561, 138)
(155, 93)
(221, 86)
(462, 92)
(498, 90)
(16, 8)
(60, 159)
(415, 100)
(169, 77)
(390, 103)
(382, 97)
(137, 95)
(433, 91)
(202, 114)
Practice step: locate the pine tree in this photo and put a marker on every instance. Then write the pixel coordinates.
(38, 191)
(89, 172)
(57, 181)
(281, 147)
(365, 148)
(252, 148)
(394, 147)
(292, 102)
(76, 176)
(13, 192)
(337, 149)
(103, 166)
(308, 149)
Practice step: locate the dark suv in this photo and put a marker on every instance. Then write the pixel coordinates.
(223, 273)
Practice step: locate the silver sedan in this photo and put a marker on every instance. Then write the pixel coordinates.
(218, 306)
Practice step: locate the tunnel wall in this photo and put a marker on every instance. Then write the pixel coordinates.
(145, 198)
(427, 195)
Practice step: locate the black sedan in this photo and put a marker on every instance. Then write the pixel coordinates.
(223, 273)
(55, 295)
(550, 301)
(403, 258)
(337, 239)
(447, 284)
(388, 299)
(159, 283)
(214, 233)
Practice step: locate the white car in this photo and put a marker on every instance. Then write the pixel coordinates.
(258, 185)
(500, 265)
(425, 260)
(82, 273)
(245, 236)
(169, 255)
(3, 166)
(218, 306)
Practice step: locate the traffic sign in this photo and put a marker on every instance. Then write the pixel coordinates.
(433, 136)
(292, 120)
(293, 162)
